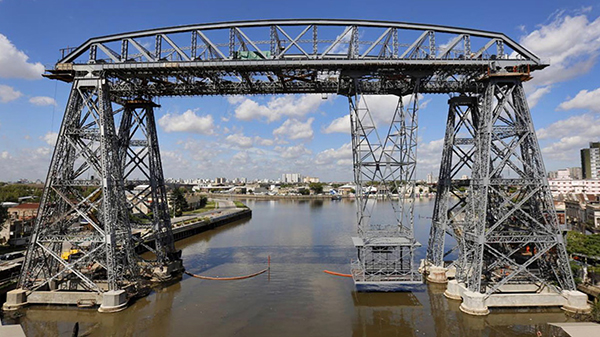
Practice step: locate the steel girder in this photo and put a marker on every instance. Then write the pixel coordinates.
(387, 166)
(511, 234)
(294, 56)
(451, 204)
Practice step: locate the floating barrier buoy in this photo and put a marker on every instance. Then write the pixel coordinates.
(212, 278)
(337, 274)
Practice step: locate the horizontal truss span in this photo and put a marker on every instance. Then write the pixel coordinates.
(295, 56)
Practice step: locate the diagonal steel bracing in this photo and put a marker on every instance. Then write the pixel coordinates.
(511, 235)
(147, 196)
(82, 207)
(384, 167)
(83, 237)
(449, 213)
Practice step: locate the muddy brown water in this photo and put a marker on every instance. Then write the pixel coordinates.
(296, 298)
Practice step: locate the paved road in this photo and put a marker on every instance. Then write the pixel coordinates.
(222, 206)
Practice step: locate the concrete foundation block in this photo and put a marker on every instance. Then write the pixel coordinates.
(453, 290)
(15, 299)
(437, 275)
(474, 304)
(113, 301)
(576, 302)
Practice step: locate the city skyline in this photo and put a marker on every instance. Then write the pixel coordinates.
(266, 136)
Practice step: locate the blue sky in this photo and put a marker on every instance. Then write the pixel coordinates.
(262, 136)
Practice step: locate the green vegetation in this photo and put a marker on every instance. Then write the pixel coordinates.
(240, 204)
(3, 215)
(317, 188)
(178, 202)
(12, 192)
(583, 244)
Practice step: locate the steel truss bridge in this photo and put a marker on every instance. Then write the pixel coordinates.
(503, 218)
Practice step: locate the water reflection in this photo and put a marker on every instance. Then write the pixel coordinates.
(385, 314)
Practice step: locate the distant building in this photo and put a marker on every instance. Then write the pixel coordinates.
(309, 180)
(221, 181)
(567, 185)
(590, 161)
(431, 179)
(25, 211)
(575, 173)
(568, 173)
(291, 178)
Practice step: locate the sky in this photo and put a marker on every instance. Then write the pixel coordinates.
(265, 136)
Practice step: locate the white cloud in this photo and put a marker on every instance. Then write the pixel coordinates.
(570, 136)
(382, 107)
(276, 107)
(292, 152)
(570, 43)
(187, 122)
(240, 140)
(42, 101)
(29, 163)
(7, 93)
(50, 138)
(13, 62)
(341, 125)
(340, 156)
(589, 100)
(294, 129)
(537, 94)
(429, 155)
(262, 141)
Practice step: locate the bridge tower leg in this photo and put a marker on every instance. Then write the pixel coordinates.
(513, 252)
(82, 248)
(144, 181)
(451, 204)
(386, 165)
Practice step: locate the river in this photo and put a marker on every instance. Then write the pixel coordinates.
(296, 298)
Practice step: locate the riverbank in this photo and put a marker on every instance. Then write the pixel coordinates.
(225, 212)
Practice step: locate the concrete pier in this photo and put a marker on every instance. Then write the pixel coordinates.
(478, 304)
(453, 291)
(113, 301)
(437, 275)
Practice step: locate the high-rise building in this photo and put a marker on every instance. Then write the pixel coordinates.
(575, 173)
(291, 178)
(590, 161)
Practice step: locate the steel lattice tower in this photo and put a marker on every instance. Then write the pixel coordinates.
(451, 204)
(385, 250)
(512, 234)
(84, 208)
(84, 185)
(141, 159)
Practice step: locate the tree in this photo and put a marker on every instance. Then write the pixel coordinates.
(3, 216)
(178, 202)
(317, 188)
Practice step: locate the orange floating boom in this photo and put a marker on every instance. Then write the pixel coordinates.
(233, 277)
(337, 274)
